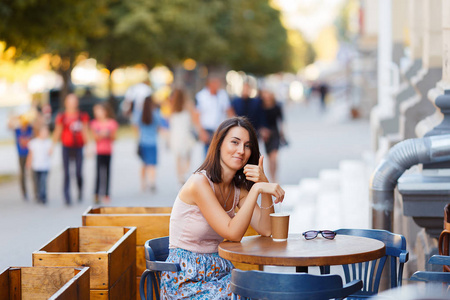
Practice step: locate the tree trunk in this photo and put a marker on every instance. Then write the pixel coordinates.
(111, 99)
(65, 70)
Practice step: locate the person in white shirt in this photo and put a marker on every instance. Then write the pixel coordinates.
(134, 100)
(212, 108)
(39, 160)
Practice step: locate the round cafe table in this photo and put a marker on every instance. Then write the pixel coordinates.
(301, 253)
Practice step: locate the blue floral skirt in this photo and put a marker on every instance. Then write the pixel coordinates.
(202, 276)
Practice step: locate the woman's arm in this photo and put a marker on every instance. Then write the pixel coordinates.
(85, 130)
(261, 215)
(57, 132)
(198, 191)
(29, 159)
(113, 134)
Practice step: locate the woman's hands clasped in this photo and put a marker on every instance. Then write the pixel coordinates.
(273, 189)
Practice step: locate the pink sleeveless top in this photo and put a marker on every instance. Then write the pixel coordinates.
(190, 231)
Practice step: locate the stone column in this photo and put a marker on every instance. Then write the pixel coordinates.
(390, 126)
(385, 104)
(385, 101)
(426, 125)
(446, 43)
(413, 110)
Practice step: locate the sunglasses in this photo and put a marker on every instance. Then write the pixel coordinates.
(312, 234)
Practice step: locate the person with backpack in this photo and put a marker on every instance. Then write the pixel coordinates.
(71, 126)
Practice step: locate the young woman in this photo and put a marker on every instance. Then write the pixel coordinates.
(232, 176)
(272, 141)
(181, 139)
(148, 126)
(103, 128)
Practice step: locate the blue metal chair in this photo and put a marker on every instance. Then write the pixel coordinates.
(285, 286)
(370, 272)
(428, 276)
(156, 252)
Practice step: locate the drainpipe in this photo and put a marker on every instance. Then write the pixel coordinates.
(400, 158)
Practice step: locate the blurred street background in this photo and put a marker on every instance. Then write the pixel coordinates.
(352, 78)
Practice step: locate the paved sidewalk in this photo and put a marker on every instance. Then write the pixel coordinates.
(316, 141)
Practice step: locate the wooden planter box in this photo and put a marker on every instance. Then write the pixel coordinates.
(108, 251)
(150, 222)
(42, 283)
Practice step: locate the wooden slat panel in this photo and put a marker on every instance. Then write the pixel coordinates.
(138, 281)
(42, 283)
(60, 243)
(245, 267)
(4, 285)
(70, 292)
(123, 255)
(74, 240)
(95, 239)
(76, 288)
(99, 294)
(133, 210)
(98, 263)
(125, 287)
(84, 285)
(148, 226)
(140, 260)
(15, 284)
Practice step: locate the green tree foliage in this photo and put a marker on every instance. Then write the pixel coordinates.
(245, 35)
(258, 41)
(57, 26)
(35, 26)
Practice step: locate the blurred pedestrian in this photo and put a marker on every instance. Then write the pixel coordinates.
(275, 137)
(103, 128)
(250, 107)
(180, 132)
(23, 133)
(134, 100)
(71, 126)
(148, 126)
(323, 92)
(212, 108)
(39, 160)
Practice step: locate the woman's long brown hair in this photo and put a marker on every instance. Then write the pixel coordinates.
(178, 100)
(212, 162)
(147, 111)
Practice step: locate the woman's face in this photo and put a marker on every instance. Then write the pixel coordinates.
(71, 102)
(235, 149)
(267, 97)
(99, 112)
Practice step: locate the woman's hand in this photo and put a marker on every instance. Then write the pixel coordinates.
(255, 173)
(273, 189)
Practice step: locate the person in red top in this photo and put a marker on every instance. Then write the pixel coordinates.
(103, 128)
(71, 126)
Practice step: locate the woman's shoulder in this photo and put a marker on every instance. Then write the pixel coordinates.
(196, 184)
(198, 179)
